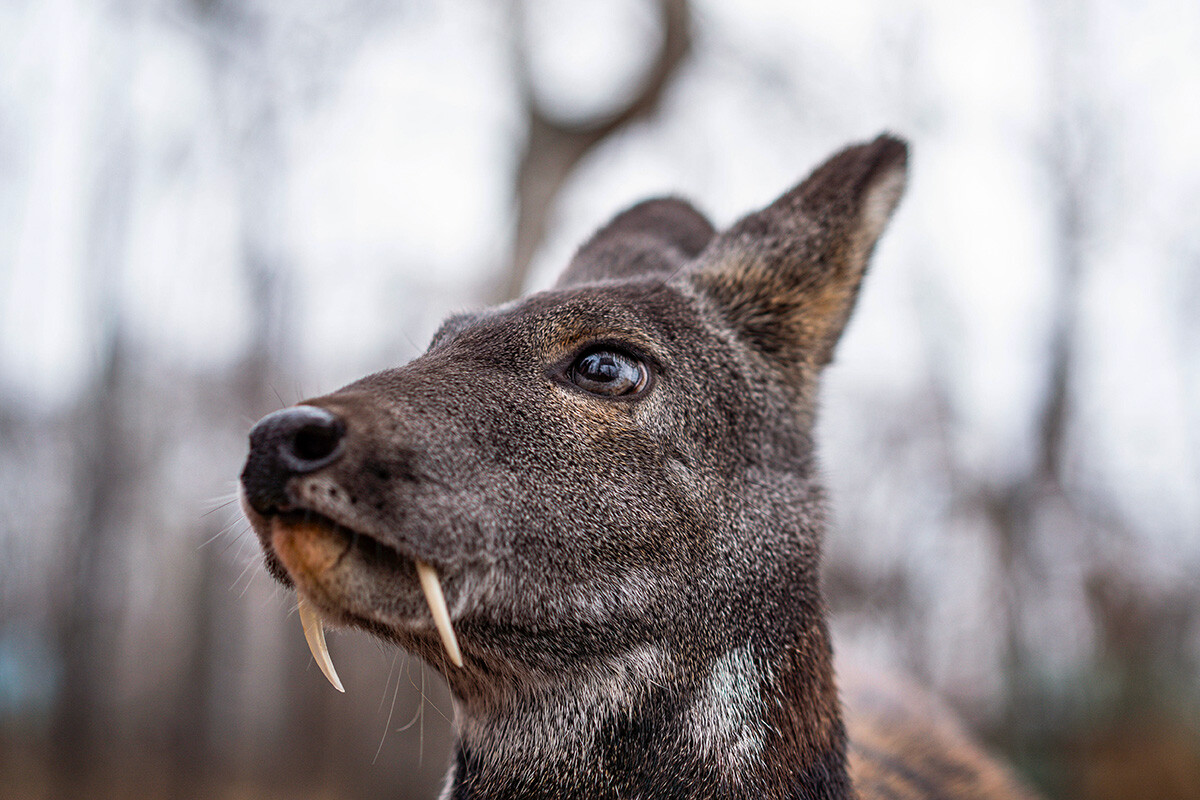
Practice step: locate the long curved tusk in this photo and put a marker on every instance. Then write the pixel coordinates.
(437, 606)
(314, 634)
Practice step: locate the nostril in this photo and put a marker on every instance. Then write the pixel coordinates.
(308, 438)
(291, 442)
(297, 440)
(316, 442)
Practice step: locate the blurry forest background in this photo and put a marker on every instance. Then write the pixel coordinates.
(213, 208)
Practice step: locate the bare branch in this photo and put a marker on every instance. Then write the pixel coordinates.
(555, 147)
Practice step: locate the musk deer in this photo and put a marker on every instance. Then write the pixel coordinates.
(597, 512)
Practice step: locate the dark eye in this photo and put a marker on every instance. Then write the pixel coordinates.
(610, 373)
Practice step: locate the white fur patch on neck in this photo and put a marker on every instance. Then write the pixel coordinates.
(554, 728)
(727, 716)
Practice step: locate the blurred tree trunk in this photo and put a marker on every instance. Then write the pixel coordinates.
(247, 96)
(554, 147)
(1070, 156)
(192, 749)
(105, 469)
(1017, 509)
(301, 759)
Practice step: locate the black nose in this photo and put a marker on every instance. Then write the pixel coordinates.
(294, 441)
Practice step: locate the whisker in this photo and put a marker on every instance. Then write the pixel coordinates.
(241, 575)
(249, 582)
(416, 347)
(222, 500)
(225, 530)
(226, 504)
(388, 682)
(417, 714)
(212, 538)
(391, 710)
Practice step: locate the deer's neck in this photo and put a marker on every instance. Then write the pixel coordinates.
(758, 720)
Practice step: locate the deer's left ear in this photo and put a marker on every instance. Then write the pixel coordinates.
(786, 277)
(653, 237)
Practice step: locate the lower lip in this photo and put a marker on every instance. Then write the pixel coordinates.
(308, 550)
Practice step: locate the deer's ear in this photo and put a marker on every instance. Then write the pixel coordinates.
(786, 277)
(655, 236)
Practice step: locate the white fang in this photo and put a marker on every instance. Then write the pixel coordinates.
(437, 606)
(314, 634)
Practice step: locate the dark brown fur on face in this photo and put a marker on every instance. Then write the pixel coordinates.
(632, 576)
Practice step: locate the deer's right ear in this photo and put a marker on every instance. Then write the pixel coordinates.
(786, 278)
(654, 237)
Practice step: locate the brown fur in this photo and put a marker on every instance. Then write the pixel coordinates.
(904, 745)
(632, 577)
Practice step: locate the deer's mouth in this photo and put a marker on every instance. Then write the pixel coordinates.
(311, 546)
(313, 551)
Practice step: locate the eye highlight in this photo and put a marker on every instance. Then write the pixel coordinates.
(608, 372)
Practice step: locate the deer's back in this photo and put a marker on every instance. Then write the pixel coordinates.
(904, 745)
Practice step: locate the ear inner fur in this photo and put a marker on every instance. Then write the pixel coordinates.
(787, 277)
